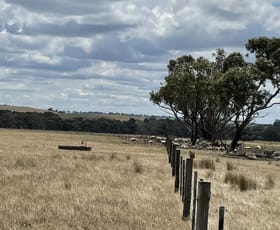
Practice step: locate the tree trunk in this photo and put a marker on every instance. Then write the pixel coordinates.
(236, 138)
(193, 137)
(194, 133)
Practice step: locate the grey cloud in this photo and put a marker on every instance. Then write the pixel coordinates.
(69, 29)
(224, 10)
(12, 91)
(65, 7)
(112, 49)
(201, 39)
(52, 45)
(67, 64)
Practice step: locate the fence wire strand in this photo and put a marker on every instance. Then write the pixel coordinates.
(235, 221)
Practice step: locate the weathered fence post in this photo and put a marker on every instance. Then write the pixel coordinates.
(177, 168)
(194, 199)
(181, 175)
(203, 205)
(221, 217)
(173, 160)
(188, 189)
(169, 147)
(184, 180)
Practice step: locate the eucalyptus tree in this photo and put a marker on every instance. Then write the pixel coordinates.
(252, 87)
(207, 95)
(185, 91)
(243, 89)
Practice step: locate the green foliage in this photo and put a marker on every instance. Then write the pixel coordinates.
(207, 96)
(51, 121)
(187, 93)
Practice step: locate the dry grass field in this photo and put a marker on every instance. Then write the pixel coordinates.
(254, 209)
(115, 186)
(119, 185)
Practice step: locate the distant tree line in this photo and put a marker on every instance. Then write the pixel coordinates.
(149, 126)
(52, 121)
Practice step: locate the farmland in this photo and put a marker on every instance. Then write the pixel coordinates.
(119, 185)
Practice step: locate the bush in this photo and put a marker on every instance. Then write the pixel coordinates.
(246, 183)
(242, 182)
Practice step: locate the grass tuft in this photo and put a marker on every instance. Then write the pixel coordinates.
(89, 157)
(206, 164)
(67, 185)
(138, 167)
(230, 166)
(113, 156)
(209, 174)
(242, 182)
(192, 154)
(269, 183)
(25, 163)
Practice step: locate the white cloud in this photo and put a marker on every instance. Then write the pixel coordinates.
(107, 55)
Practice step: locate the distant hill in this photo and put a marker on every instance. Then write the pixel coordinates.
(84, 115)
(96, 115)
(21, 109)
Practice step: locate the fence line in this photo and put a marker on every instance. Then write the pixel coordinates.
(182, 170)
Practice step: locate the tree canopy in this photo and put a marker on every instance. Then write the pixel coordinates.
(206, 95)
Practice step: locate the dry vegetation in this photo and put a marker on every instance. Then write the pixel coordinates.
(252, 200)
(115, 186)
(121, 186)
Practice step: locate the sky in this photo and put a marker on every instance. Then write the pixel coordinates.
(108, 55)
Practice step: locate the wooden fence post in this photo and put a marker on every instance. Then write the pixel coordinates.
(194, 199)
(177, 168)
(203, 205)
(184, 180)
(171, 154)
(188, 189)
(169, 148)
(181, 175)
(221, 217)
(173, 160)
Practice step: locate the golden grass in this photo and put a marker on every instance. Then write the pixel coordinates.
(119, 185)
(115, 186)
(252, 209)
